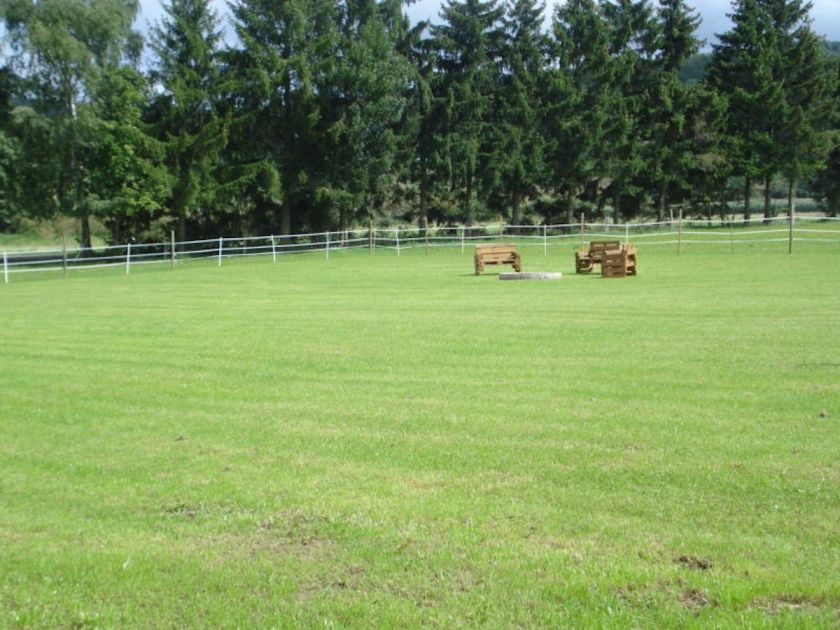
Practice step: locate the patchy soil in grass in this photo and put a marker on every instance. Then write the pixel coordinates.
(693, 562)
(695, 599)
(790, 603)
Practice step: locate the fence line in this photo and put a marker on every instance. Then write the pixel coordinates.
(401, 238)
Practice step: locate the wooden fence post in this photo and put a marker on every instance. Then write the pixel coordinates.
(370, 238)
(426, 233)
(679, 233)
(731, 234)
(221, 246)
(328, 245)
(463, 233)
(397, 236)
(128, 258)
(790, 230)
(5, 268)
(545, 240)
(273, 250)
(172, 248)
(64, 254)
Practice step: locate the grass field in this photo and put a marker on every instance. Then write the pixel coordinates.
(383, 441)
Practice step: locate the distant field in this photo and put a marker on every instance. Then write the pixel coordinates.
(392, 441)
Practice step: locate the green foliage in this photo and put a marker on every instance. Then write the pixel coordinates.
(519, 145)
(775, 76)
(64, 49)
(578, 98)
(128, 181)
(671, 149)
(279, 81)
(469, 42)
(185, 112)
(365, 108)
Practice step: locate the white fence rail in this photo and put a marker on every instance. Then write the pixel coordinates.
(677, 234)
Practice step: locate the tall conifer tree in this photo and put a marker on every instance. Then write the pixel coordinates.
(468, 42)
(186, 113)
(803, 141)
(670, 148)
(577, 110)
(632, 42)
(280, 81)
(519, 151)
(743, 70)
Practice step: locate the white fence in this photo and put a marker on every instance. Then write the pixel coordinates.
(677, 234)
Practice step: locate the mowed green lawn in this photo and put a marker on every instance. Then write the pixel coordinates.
(392, 441)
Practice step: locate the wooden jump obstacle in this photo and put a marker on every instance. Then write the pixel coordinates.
(585, 261)
(617, 259)
(496, 255)
(619, 263)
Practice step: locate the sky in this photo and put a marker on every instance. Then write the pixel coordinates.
(826, 15)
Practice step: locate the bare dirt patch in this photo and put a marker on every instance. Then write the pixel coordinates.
(693, 562)
(184, 509)
(787, 603)
(694, 599)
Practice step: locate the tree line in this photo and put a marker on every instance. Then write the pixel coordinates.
(326, 114)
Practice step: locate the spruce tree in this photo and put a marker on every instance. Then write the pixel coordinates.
(744, 70)
(468, 43)
(366, 104)
(577, 111)
(773, 71)
(10, 150)
(809, 84)
(423, 125)
(185, 114)
(632, 42)
(827, 180)
(669, 146)
(519, 151)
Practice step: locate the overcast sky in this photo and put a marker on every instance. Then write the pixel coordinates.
(826, 15)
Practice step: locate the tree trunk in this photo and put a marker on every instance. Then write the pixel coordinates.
(117, 231)
(602, 204)
(747, 197)
(424, 194)
(468, 193)
(617, 208)
(87, 246)
(514, 206)
(285, 220)
(182, 225)
(724, 202)
(342, 220)
(570, 207)
(791, 197)
(660, 206)
(768, 201)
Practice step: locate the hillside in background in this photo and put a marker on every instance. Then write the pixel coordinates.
(694, 70)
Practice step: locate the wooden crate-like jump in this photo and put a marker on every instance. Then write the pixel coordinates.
(585, 261)
(619, 263)
(496, 255)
